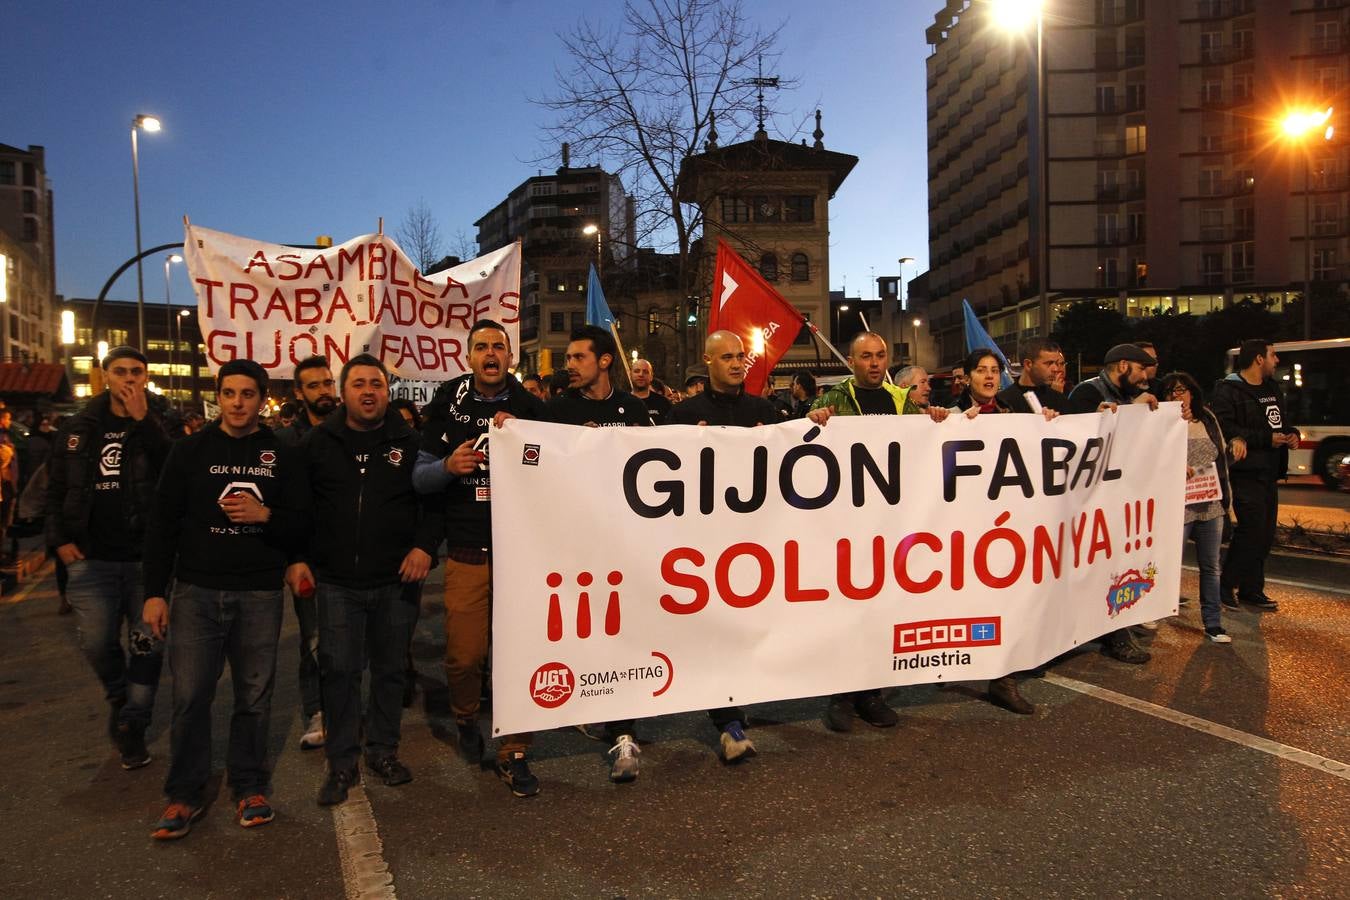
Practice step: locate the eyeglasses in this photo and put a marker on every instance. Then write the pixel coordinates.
(1179, 391)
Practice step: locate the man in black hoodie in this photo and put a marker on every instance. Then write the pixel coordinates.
(372, 534)
(725, 402)
(453, 465)
(228, 514)
(100, 487)
(1250, 408)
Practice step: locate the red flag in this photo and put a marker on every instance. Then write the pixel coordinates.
(744, 303)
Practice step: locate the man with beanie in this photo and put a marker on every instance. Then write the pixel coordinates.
(229, 511)
(101, 485)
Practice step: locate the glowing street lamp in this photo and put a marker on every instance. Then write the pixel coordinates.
(599, 260)
(152, 125)
(1301, 126)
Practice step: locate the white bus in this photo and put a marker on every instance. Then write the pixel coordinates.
(1315, 376)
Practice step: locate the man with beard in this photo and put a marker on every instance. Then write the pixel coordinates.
(316, 396)
(658, 407)
(1042, 366)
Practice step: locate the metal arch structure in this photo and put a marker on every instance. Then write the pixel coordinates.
(107, 285)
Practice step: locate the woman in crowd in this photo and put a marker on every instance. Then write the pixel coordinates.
(1204, 521)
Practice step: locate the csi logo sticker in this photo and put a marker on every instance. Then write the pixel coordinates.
(531, 455)
(110, 460)
(394, 456)
(267, 457)
(1126, 590)
(551, 685)
(938, 634)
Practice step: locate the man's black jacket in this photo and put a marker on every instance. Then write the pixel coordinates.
(73, 469)
(190, 537)
(1253, 413)
(724, 409)
(365, 523)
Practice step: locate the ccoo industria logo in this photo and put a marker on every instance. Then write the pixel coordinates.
(551, 685)
(1127, 589)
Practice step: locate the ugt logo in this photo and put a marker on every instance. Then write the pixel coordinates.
(551, 685)
(584, 581)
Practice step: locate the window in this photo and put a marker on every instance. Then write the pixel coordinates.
(1326, 36)
(735, 209)
(1134, 96)
(801, 267)
(1136, 139)
(29, 175)
(1244, 223)
(545, 189)
(1244, 182)
(1242, 42)
(768, 266)
(557, 284)
(1211, 92)
(1108, 272)
(1244, 261)
(1211, 181)
(1324, 218)
(30, 229)
(1108, 228)
(1211, 46)
(1324, 264)
(1328, 79)
(1106, 98)
(800, 208)
(555, 321)
(1135, 226)
(30, 201)
(1139, 273)
(7, 171)
(1211, 268)
(578, 320)
(1242, 87)
(1108, 184)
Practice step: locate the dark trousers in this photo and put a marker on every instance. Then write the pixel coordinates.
(207, 627)
(107, 598)
(1256, 504)
(307, 617)
(360, 626)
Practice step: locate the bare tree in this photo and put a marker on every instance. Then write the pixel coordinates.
(420, 236)
(642, 96)
(463, 246)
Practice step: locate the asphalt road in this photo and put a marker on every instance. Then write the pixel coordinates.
(1087, 798)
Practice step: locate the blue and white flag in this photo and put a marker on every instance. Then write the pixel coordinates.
(597, 310)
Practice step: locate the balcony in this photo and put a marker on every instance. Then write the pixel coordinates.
(1244, 275)
(1219, 56)
(1222, 9)
(1327, 44)
(1226, 187)
(1225, 234)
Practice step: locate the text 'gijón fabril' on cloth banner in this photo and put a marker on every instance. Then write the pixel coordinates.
(277, 304)
(695, 567)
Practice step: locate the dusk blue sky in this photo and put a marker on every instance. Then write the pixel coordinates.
(284, 121)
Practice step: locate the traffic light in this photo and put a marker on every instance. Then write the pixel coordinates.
(693, 311)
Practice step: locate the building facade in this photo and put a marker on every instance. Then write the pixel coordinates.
(1169, 185)
(770, 201)
(29, 328)
(174, 348)
(549, 215)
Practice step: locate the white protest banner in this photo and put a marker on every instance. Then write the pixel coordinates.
(419, 392)
(1203, 486)
(277, 305)
(706, 567)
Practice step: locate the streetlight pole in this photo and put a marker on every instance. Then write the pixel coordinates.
(150, 124)
(192, 363)
(599, 258)
(168, 320)
(1299, 125)
(914, 357)
(838, 323)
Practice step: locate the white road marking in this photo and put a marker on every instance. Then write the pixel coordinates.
(365, 874)
(1308, 585)
(1265, 745)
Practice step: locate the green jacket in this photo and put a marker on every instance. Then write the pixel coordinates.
(845, 401)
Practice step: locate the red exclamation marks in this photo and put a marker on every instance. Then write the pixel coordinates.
(1129, 530)
(584, 606)
(1149, 542)
(612, 607)
(554, 607)
(1138, 523)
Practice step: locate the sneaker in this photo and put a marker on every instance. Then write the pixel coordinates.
(176, 821)
(1218, 636)
(515, 771)
(839, 713)
(874, 711)
(1228, 600)
(470, 741)
(1263, 603)
(735, 745)
(625, 752)
(131, 744)
(313, 737)
(254, 810)
(1149, 626)
(337, 784)
(390, 769)
(1183, 601)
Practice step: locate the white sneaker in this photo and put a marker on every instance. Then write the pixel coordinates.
(1149, 626)
(312, 739)
(1219, 636)
(625, 766)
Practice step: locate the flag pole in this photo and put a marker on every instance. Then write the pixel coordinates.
(623, 355)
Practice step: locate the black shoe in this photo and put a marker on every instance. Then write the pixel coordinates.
(874, 711)
(1127, 652)
(337, 784)
(131, 744)
(390, 769)
(470, 741)
(515, 771)
(839, 713)
(1263, 603)
(1003, 692)
(1228, 600)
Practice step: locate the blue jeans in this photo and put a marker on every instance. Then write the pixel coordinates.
(307, 617)
(360, 626)
(105, 594)
(1207, 536)
(206, 628)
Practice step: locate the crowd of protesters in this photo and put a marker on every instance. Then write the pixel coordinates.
(182, 540)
